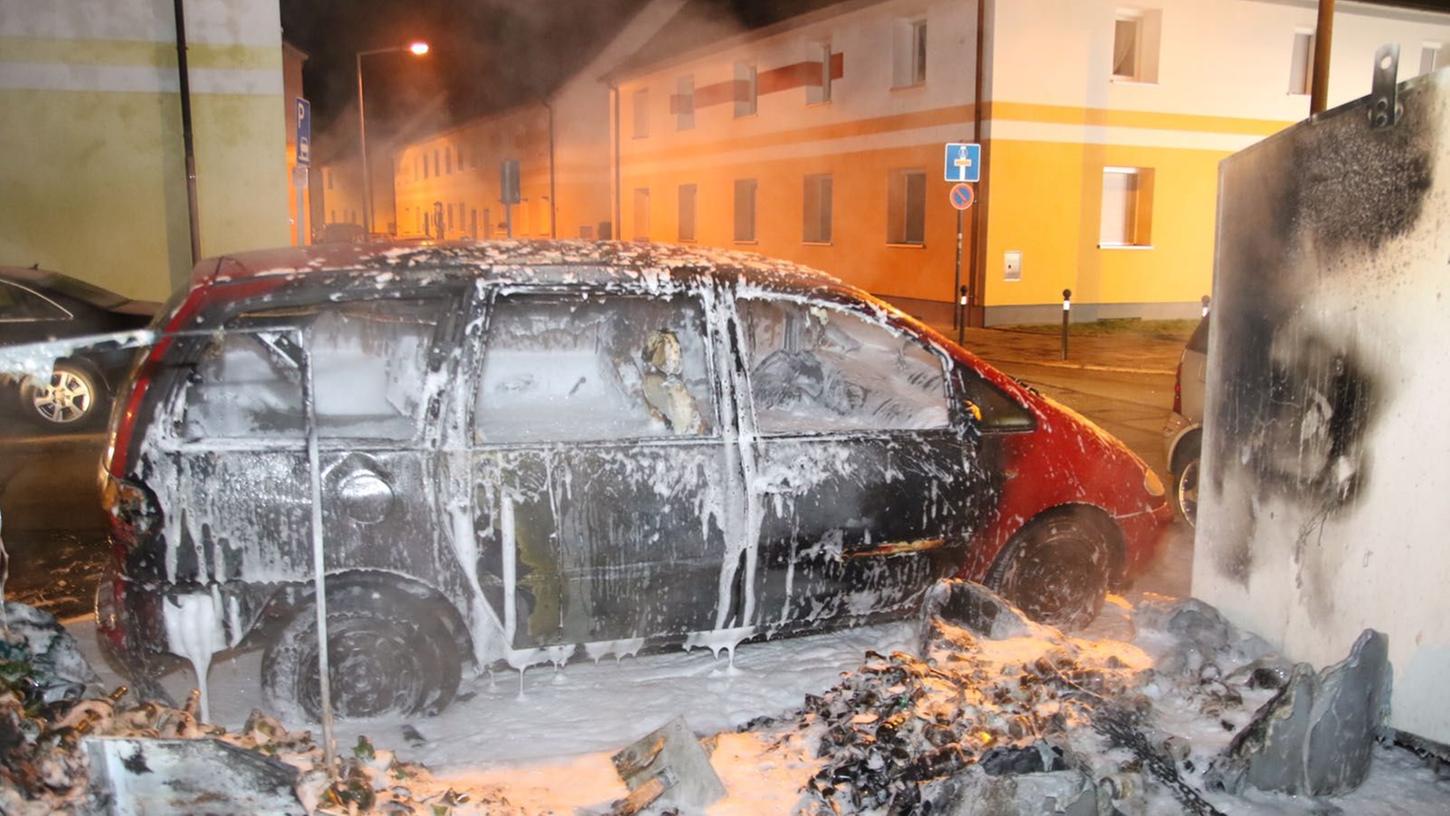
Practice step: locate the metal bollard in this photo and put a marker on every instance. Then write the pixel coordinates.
(1204, 300)
(961, 314)
(1066, 314)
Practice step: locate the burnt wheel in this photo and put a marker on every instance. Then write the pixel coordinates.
(388, 653)
(1056, 569)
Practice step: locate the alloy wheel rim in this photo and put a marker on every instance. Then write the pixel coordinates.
(65, 400)
(1188, 493)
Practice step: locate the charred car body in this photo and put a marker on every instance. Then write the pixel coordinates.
(525, 449)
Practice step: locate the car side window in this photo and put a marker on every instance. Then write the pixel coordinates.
(998, 412)
(571, 368)
(369, 369)
(19, 304)
(814, 369)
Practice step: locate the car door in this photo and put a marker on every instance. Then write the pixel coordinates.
(239, 450)
(598, 458)
(866, 469)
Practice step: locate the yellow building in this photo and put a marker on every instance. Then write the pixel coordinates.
(92, 177)
(819, 138)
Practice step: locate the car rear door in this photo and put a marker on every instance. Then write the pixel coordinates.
(239, 451)
(598, 457)
(865, 468)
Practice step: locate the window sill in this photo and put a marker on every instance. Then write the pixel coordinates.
(893, 245)
(1125, 246)
(909, 87)
(818, 104)
(751, 115)
(1120, 80)
(684, 240)
(818, 243)
(745, 242)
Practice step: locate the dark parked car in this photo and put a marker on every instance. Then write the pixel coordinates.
(521, 450)
(38, 305)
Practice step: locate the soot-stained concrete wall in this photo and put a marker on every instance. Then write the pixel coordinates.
(1323, 503)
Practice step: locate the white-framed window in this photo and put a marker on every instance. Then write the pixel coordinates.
(1433, 57)
(816, 201)
(641, 213)
(448, 160)
(820, 91)
(906, 207)
(908, 52)
(745, 89)
(1127, 207)
(1136, 34)
(640, 108)
(688, 193)
(1301, 68)
(745, 210)
(682, 104)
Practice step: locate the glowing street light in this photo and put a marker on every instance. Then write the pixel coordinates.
(417, 48)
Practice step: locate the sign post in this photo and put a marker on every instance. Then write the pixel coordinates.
(962, 165)
(304, 160)
(508, 192)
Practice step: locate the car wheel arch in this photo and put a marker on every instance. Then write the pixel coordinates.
(1185, 449)
(284, 604)
(1117, 549)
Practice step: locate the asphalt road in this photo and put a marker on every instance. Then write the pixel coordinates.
(55, 531)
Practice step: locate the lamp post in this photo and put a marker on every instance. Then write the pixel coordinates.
(417, 49)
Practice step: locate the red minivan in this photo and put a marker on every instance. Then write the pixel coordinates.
(513, 451)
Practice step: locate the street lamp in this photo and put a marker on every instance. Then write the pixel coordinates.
(417, 49)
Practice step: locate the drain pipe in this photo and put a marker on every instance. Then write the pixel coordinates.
(187, 145)
(976, 280)
(553, 196)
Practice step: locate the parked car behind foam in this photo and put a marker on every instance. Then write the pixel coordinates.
(1183, 434)
(39, 305)
(525, 449)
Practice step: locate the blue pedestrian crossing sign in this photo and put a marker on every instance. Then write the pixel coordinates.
(963, 161)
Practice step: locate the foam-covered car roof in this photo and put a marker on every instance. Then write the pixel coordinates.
(546, 261)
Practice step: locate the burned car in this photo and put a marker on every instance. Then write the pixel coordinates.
(509, 452)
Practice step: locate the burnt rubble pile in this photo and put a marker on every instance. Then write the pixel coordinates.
(54, 725)
(1000, 715)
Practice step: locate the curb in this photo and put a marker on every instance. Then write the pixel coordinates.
(1167, 372)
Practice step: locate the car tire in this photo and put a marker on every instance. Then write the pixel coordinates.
(1057, 568)
(389, 653)
(73, 399)
(1185, 491)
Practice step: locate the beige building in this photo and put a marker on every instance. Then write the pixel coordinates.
(92, 176)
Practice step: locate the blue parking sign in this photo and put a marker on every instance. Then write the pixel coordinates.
(963, 161)
(304, 131)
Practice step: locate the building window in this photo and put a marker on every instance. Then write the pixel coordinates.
(424, 157)
(745, 209)
(329, 178)
(1135, 45)
(1127, 217)
(641, 113)
(745, 89)
(450, 216)
(1301, 70)
(1432, 57)
(682, 104)
(817, 208)
(417, 170)
(448, 160)
(906, 207)
(908, 53)
(641, 213)
(687, 212)
(435, 162)
(820, 92)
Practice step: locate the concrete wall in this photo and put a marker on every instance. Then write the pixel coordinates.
(91, 173)
(1322, 506)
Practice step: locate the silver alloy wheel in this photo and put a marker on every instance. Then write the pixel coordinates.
(1187, 492)
(69, 398)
